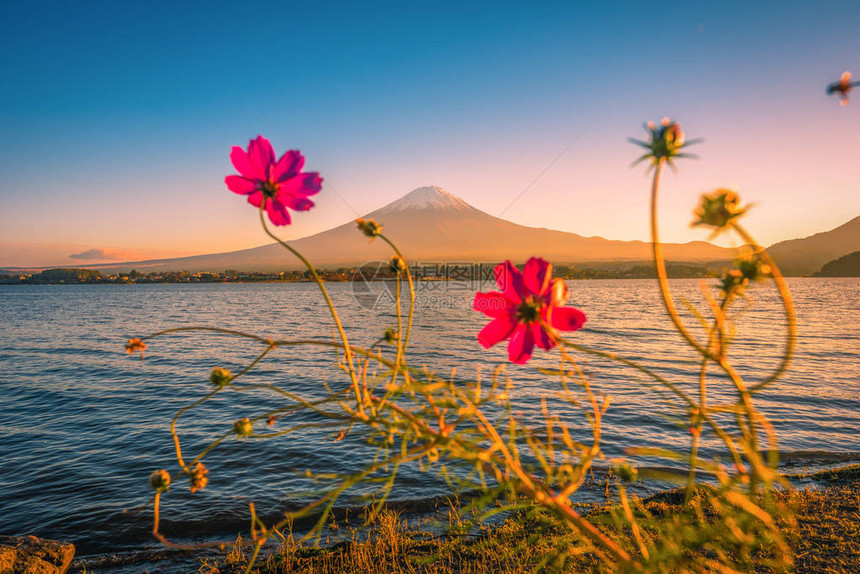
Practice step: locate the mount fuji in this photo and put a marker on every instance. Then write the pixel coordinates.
(431, 225)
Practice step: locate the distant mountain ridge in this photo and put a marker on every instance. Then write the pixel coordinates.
(845, 266)
(807, 255)
(430, 224)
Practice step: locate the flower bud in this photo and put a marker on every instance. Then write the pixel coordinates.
(220, 377)
(752, 268)
(665, 141)
(731, 283)
(626, 472)
(134, 345)
(718, 209)
(390, 336)
(397, 265)
(368, 227)
(198, 477)
(243, 427)
(159, 480)
(747, 269)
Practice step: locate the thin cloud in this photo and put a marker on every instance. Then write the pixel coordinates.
(93, 254)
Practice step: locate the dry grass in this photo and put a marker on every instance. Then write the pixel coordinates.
(825, 537)
(391, 545)
(827, 532)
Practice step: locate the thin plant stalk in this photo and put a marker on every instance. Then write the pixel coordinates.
(346, 348)
(660, 265)
(788, 305)
(411, 291)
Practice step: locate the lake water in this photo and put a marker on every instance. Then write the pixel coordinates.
(82, 424)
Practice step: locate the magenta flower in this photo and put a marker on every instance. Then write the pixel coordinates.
(528, 310)
(281, 184)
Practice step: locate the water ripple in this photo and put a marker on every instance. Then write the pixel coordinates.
(82, 424)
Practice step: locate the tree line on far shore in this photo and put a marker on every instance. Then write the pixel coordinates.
(439, 272)
(846, 266)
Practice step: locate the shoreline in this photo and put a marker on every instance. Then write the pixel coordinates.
(379, 280)
(825, 536)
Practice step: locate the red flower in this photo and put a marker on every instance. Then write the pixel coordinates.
(279, 183)
(528, 310)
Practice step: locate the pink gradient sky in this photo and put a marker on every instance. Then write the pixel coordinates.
(122, 145)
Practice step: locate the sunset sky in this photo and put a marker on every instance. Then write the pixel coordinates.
(118, 117)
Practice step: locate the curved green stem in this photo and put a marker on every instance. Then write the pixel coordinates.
(542, 494)
(405, 339)
(211, 329)
(277, 343)
(257, 545)
(663, 381)
(200, 401)
(400, 342)
(660, 267)
(788, 305)
(346, 347)
(694, 447)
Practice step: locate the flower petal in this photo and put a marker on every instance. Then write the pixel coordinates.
(261, 156)
(492, 304)
(277, 212)
(521, 345)
(496, 330)
(510, 281)
(302, 185)
(255, 198)
(242, 163)
(290, 164)
(295, 202)
(239, 184)
(537, 274)
(542, 338)
(558, 292)
(566, 318)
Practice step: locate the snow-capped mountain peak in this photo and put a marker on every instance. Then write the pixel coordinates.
(429, 197)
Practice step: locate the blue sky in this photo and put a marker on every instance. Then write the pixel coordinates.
(118, 117)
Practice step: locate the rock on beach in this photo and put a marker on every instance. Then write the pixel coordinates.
(31, 555)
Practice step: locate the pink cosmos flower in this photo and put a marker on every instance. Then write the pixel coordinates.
(281, 184)
(528, 310)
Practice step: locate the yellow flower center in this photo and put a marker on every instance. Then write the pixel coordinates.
(528, 310)
(269, 188)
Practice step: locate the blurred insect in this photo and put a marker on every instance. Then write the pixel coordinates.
(843, 87)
